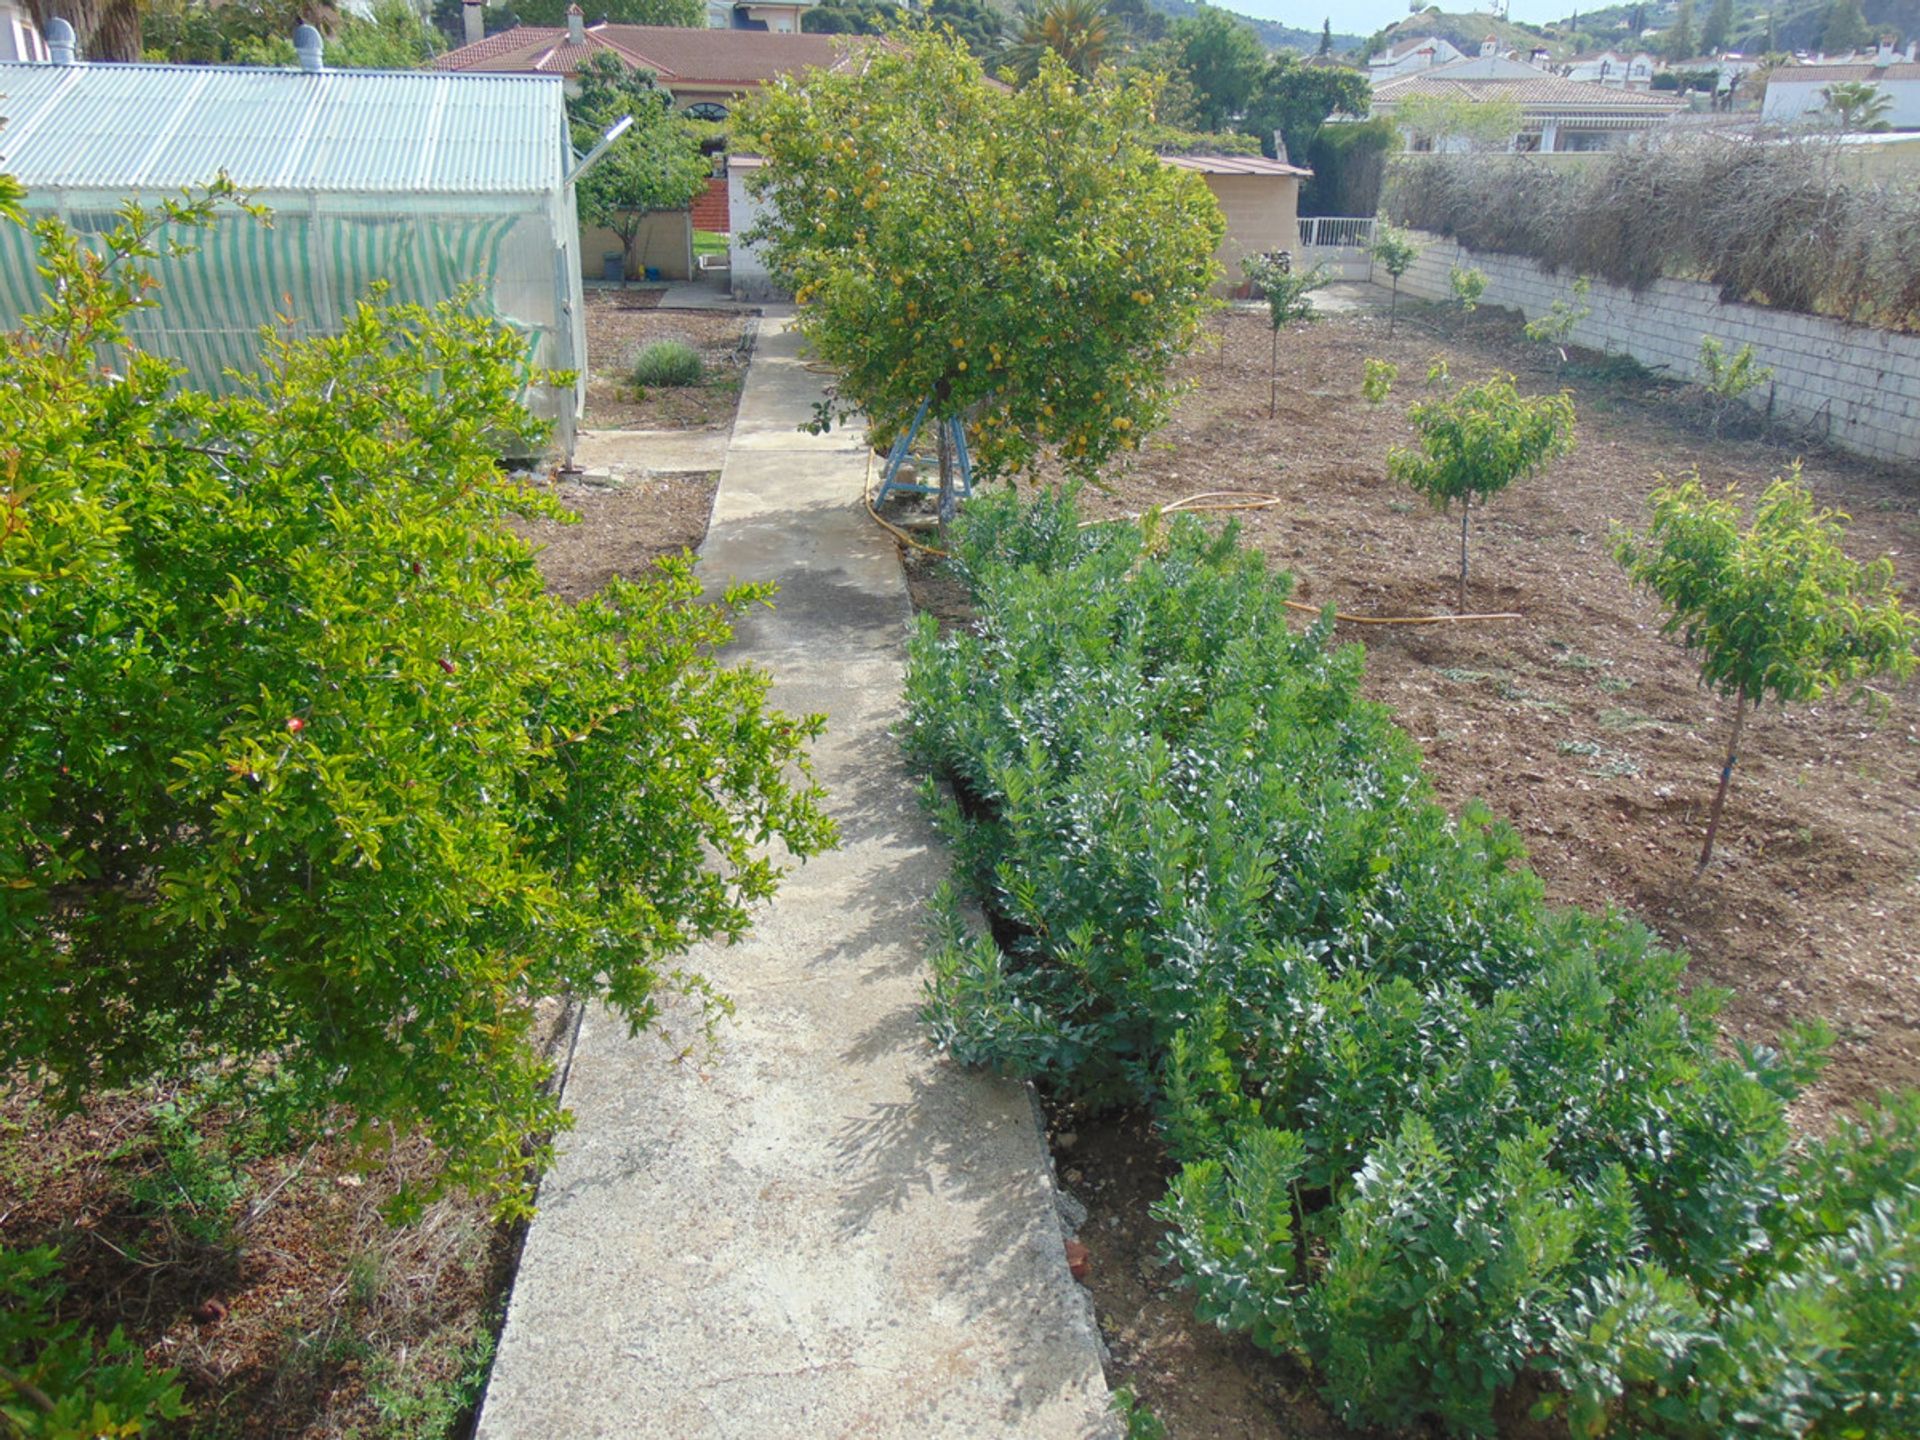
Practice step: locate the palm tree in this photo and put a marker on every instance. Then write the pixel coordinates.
(1080, 32)
(104, 29)
(1858, 104)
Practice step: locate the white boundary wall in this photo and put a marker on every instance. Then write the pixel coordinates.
(1857, 385)
(747, 270)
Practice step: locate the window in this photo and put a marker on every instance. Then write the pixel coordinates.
(705, 110)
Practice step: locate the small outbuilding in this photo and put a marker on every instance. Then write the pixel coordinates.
(1260, 199)
(426, 182)
(1797, 94)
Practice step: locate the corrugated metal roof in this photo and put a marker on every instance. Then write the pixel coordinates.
(1234, 165)
(162, 127)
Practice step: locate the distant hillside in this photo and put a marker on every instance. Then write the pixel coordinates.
(1272, 33)
(1465, 32)
(1797, 24)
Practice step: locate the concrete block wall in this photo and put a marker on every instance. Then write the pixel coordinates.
(665, 243)
(1857, 385)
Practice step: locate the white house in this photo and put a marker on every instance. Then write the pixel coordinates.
(782, 17)
(1796, 92)
(19, 40)
(1407, 57)
(1557, 114)
(1617, 69)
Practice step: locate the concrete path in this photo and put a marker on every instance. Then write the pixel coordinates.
(820, 1230)
(707, 291)
(1350, 297)
(618, 454)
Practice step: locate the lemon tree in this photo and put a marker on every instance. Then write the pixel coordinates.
(1022, 260)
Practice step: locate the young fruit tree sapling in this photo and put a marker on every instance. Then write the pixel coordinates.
(1775, 611)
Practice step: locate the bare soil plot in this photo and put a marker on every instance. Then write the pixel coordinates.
(259, 1265)
(621, 529)
(620, 324)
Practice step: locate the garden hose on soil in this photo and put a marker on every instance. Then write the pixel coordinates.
(1233, 500)
(866, 496)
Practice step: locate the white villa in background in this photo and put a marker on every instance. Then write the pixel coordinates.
(1796, 92)
(782, 17)
(1410, 56)
(1619, 70)
(19, 40)
(1556, 114)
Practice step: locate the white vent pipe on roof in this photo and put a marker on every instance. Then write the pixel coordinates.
(60, 41)
(309, 46)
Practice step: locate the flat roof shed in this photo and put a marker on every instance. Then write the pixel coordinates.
(425, 181)
(1260, 199)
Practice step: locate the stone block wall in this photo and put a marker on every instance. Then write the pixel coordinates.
(1858, 386)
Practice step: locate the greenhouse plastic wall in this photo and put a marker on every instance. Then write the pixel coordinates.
(324, 254)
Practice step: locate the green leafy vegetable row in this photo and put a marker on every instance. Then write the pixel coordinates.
(1436, 1137)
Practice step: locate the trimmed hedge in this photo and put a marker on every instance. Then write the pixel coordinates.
(1436, 1135)
(1349, 164)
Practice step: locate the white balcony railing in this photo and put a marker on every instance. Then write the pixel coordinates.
(1336, 232)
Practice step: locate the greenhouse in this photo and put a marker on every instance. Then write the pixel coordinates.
(428, 182)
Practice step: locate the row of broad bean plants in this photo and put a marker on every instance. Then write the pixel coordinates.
(1435, 1136)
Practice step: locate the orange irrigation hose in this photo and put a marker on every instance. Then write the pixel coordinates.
(1255, 500)
(1242, 500)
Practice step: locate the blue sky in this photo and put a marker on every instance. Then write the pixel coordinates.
(1369, 15)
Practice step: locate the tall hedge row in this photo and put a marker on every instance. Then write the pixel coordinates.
(1791, 224)
(1435, 1136)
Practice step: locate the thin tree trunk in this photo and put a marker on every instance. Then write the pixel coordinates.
(1393, 307)
(1726, 780)
(118, 35)
(1273, 375)
(949, 503)
(1466, 516)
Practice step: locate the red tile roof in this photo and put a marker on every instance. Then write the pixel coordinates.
(720, 59)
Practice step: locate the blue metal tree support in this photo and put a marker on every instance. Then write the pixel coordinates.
(902, 452)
